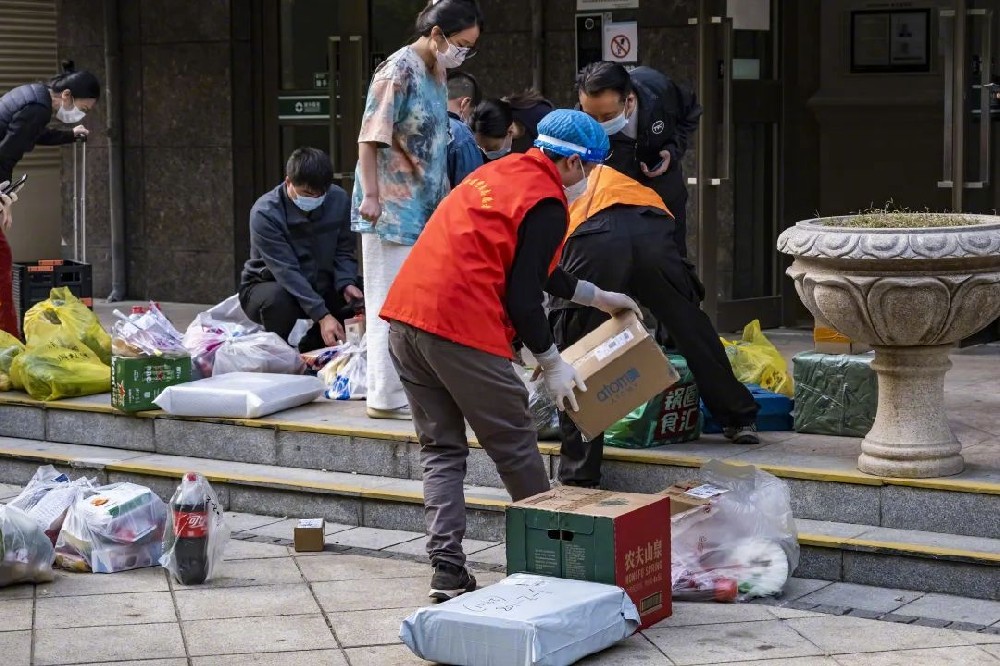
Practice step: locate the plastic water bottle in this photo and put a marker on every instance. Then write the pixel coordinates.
(190, 518)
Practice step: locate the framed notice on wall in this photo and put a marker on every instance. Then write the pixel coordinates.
(890, 41)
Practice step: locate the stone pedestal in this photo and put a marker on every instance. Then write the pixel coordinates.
(911, 437)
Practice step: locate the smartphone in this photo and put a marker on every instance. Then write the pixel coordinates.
(16, 186)
(658, 166)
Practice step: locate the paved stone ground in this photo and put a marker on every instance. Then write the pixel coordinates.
(343, 607)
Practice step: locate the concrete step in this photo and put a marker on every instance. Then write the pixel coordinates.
(833, 551)
(337, 437)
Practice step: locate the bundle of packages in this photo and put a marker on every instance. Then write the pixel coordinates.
(25, 551)
(211, 329)
(835, 394)
(117, 528)
(146, 333)
(47, 498)
(671, 417)
(149, 356)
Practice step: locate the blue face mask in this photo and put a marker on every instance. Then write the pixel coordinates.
(615, 125)
(307, 204)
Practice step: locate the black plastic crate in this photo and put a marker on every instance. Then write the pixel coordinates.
(35, 280)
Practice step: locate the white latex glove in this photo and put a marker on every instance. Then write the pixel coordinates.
(6, 216)
(560, 379)
(587, 293)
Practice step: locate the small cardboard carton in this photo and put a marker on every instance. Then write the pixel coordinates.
(310, 535)
(599, 536)
(691, 495)
(623, 368)
(827, 340)
(137, 382)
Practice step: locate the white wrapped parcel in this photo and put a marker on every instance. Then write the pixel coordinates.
(524, 620)
(240, 395)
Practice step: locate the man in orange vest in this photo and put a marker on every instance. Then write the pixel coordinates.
(473, 280)
(621, 219)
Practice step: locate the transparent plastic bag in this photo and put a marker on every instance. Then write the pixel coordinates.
(62, 316)
(25, 551)
(346, 376)
(742, 545)
(147, 334)
(60, 368)
(756, 361)
(544, 412)
(114, 528)
(48, 496)
(257, 352)
(211, 329)
(196, 535)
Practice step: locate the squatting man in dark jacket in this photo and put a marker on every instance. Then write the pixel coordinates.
(303, 254)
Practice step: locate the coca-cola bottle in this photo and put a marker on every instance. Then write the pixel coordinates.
(190, 517)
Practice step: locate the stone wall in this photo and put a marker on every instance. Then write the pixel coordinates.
(178, 146)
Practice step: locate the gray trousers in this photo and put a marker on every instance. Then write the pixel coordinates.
(447, 384)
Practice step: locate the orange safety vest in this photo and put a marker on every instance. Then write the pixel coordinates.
(454, 282)
(606, 188)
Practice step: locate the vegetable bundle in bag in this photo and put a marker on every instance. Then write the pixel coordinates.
(65, 318)
(196, 534)
(117, 528)
(25, 551)
(60, 368)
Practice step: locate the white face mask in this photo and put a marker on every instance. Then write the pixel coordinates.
(70, 116)
(454, 56)
(577, 189)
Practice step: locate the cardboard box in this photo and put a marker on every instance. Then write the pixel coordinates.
(310, 535)
(623, 368)
(826, 340)
(691, 495)
(599, 536)
(137, 382)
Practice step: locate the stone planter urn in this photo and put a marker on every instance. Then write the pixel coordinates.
(911, 285)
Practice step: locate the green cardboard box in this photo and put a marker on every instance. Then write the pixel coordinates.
(599, 536)
(137, 382)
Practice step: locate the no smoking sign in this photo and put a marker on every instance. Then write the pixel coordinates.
(621, 42)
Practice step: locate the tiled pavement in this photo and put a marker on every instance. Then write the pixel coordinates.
(343, 607)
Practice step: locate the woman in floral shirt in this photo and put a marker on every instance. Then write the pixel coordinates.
(402, 170)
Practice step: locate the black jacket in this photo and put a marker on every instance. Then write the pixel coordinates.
(308, 254)
(668, 115)
(25, 113)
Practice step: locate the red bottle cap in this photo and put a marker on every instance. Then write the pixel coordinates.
(138, 310)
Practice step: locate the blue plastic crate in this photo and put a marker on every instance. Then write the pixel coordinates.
(775, 412)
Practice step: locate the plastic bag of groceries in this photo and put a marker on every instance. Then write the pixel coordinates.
(741, 545)
(10, 348)
(64, 316)
(544, 413)
(25, 551)
(212, 328)
(346, 376)
(196, 534)
(60, 367)
(118, 527)
(257, 352)
(756, 361)
(48, 496)
(148, 333)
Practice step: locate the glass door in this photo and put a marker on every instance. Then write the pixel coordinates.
(736, 179)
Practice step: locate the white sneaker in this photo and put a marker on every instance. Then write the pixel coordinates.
(398, 414)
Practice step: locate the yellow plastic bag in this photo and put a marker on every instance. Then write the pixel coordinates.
(57, 369)
(756, 361)
(63, 316)
(10, 348)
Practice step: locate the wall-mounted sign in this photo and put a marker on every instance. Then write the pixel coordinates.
(621, 42)
(890, 41)
(605, 5)
(300, 107)
(321, 80)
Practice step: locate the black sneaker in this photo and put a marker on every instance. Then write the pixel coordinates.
(744, 434)
(449, 581)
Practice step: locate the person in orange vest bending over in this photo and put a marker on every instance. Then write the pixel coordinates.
(619, 218)
(474, 279)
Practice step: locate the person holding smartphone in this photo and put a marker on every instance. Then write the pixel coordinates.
(649, 120)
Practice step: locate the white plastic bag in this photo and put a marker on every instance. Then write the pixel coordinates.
(346, 376)
(257, 352)
(524, 620)
(25, 551)
(239, 395)
(47, 498)
(118, 527)
(212, 328)
(196, 534)
(742, 545)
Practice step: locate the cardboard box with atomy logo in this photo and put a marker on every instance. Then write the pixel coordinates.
(623, 368)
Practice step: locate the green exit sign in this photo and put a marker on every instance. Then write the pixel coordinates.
(300, 107)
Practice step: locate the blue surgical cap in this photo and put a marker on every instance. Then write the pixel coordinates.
(566, 132)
